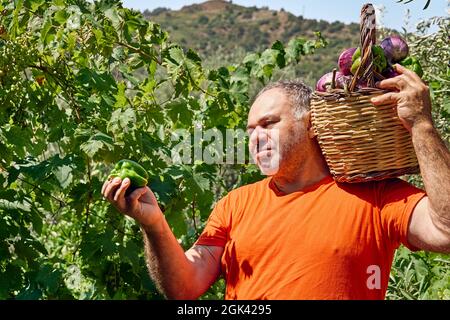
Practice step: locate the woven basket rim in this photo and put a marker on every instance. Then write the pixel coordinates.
(341, 93)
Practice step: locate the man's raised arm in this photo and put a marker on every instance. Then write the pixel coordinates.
(429, 227)
(178, 275)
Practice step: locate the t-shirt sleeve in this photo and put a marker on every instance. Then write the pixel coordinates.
(216, 228)
(398, 200)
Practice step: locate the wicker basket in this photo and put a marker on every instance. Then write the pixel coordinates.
(362, 142)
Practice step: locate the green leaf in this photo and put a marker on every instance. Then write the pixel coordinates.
(47, 32)
(115, 87)
(36, 220)
(152, 68)
(179, 112)
(251, 59)
(28, 249)
(78, 196)
(194, 57)
(64, 175)
(197, 183)
(177, 55)
(107, 243)
(113, 16)
(35, 4)
(4, 230)
(446, 105)
(280, 56)
(421, 268)
(91, 147)
(10, 280)
(121, 99)
(19, 138)
(295, 49)
(118, 53)
(130, 252)
(240, 75)
(14, 205)
(164, 190)
(177, 222)
(61, 16)
(49, 278)
(122, 120)
(97, 142)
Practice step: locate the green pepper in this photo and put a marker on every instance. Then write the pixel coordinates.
(412, 64)
(132, 170)
(355, 65)
(356, 54)
(379, 59)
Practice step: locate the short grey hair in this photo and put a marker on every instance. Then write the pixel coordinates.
(297, 92)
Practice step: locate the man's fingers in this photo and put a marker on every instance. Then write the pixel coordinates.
(397, 83)
(403, 70)
(111, 187)
(105, 184)
(387, 98)
(136, 194)
(407, 73)
(407, 78)
(121, 191)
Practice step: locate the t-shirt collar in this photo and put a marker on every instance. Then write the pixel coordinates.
(327, 179)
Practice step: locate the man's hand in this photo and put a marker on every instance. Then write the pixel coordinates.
(411, 96)
(141, 204)
(429, 226)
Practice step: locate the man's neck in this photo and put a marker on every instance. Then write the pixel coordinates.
(297, 180)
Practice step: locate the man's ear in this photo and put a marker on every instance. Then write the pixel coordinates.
(311, 133)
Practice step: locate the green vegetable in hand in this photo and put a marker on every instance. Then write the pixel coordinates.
(412, 64)
(134, 171)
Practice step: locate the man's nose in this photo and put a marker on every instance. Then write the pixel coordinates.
(259, 137)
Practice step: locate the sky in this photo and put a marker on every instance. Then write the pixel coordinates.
(331, 10)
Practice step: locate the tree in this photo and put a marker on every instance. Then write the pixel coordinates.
(83, 85)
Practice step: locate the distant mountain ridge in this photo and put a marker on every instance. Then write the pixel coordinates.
(221, 26)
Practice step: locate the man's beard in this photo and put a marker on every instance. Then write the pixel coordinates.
(292, 149)
(286, 154)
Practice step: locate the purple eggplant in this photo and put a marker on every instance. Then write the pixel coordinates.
(325, 81)
(395, 48)
(343, 81)
(345, 61)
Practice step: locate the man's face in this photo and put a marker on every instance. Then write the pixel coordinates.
(275, 134)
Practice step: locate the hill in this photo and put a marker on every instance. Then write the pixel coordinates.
(220, 28)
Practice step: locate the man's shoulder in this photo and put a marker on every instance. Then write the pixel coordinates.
(399, 184)
(378, 189)
(383, 183)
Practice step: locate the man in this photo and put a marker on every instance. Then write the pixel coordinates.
(298, 234)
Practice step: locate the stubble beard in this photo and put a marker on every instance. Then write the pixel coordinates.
(293, 150)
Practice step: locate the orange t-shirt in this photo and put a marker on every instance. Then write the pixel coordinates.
(329, 241)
